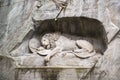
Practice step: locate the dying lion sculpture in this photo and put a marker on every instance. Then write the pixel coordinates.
(53, 43)
(80, 26)
(81, 48)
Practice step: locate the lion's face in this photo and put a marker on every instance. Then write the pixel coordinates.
(45, 43)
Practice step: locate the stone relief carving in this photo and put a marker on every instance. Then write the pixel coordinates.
(53, 43)
(95, 9)
(76, 26)
(67, 41)
(49, 39)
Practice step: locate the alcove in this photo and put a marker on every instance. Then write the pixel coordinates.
(89, 29)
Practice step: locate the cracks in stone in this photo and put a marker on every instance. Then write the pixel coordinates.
(89, 71)
(102, 75)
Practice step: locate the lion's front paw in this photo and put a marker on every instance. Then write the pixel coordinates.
(40, 48)
(47, 58)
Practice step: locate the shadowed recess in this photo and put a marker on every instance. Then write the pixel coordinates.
(88, 28)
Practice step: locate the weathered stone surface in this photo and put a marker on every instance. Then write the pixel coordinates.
(5, 7)
(7, 70)
(108, 66)
(18, 24)
(30, 60)
(15, 23)
(60, 67)
(69, 59)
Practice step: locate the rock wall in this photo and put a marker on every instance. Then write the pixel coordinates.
(16, 24)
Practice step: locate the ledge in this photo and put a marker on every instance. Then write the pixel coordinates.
(52, 67)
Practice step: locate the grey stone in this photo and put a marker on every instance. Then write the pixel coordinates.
(7, 68)
(16, 23)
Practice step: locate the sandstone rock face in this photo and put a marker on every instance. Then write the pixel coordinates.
(16, 25)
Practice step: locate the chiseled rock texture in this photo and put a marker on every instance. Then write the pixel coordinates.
(16, 24)
(7, 70)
